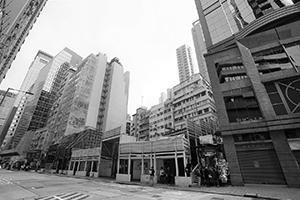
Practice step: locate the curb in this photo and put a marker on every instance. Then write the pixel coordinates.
(190, 188)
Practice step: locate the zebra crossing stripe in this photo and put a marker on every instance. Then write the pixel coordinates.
(67, 196)
(84, 197)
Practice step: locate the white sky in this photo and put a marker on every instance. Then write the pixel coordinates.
(143, 34)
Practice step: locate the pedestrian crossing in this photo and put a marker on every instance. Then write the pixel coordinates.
(66, 196)
(4, 181)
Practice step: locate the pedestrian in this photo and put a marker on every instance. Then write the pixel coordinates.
(198, 174)
(188, 169)
(162, 175)
(168, 174)
(215, 176)
(207, 176)
(152, 172)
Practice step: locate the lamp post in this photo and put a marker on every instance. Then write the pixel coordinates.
(13, 90)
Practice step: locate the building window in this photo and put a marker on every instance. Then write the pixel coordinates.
(241, 108)
(123, 166)
(285, 96)
(262, 136)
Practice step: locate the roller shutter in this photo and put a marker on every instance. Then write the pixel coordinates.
(260, 167)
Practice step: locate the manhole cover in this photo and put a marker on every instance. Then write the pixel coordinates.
(156, 196)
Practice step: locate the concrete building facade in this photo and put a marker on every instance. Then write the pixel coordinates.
(185, 63)
(255, 81)
(17, 19)
(200, 48)
(193, 100)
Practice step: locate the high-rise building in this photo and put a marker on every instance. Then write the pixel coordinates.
(36, 111)
(40, 60)
(16, 20)
(162, 98)
(200, 48)
(222, 19)
(5, 109)
(255, 81)
(95, 96)
(185, 62)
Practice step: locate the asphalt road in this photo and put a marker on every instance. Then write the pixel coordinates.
(17, 185)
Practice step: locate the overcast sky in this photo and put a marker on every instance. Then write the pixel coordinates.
(143, 34)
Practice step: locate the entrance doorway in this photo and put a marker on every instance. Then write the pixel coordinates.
(170, 163)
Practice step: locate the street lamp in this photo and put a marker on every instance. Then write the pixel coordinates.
(14, 90)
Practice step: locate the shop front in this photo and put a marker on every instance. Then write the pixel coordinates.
(259, 163)
(85, 162)
(171, 154)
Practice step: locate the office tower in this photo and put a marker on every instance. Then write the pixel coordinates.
(162, 98)
(255, 81)
(95, 96)
(94, 100)
(40, 60)
(16, 20)
(36, 112)
(6, 105)
(200, 48)
(222, 19)
(185, 62)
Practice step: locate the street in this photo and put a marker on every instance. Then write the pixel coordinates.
(17, 185)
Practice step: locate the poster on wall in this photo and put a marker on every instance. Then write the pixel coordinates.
(294, 144)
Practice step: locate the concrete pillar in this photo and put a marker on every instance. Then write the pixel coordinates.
(233, 163)
(78, 165)
(184, 162)
(287, 160)
(70, 165)
(92, 165)
(176, 160)
(261, 94)
(129, 163)
(99, 160)
(85, 165)
(142, 170)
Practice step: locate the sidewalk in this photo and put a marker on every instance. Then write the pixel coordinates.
(271, 192)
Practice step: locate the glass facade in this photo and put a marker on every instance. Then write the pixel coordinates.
(37, 110)
(226, 17)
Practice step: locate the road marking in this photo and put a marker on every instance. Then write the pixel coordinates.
(66, 196)
(4, 181)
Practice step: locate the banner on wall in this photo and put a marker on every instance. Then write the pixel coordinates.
(206, 139)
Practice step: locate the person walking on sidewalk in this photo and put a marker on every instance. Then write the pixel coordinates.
(198, 174)
(162, 175)
(152, 172)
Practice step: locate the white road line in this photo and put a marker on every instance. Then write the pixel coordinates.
(67, 196)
